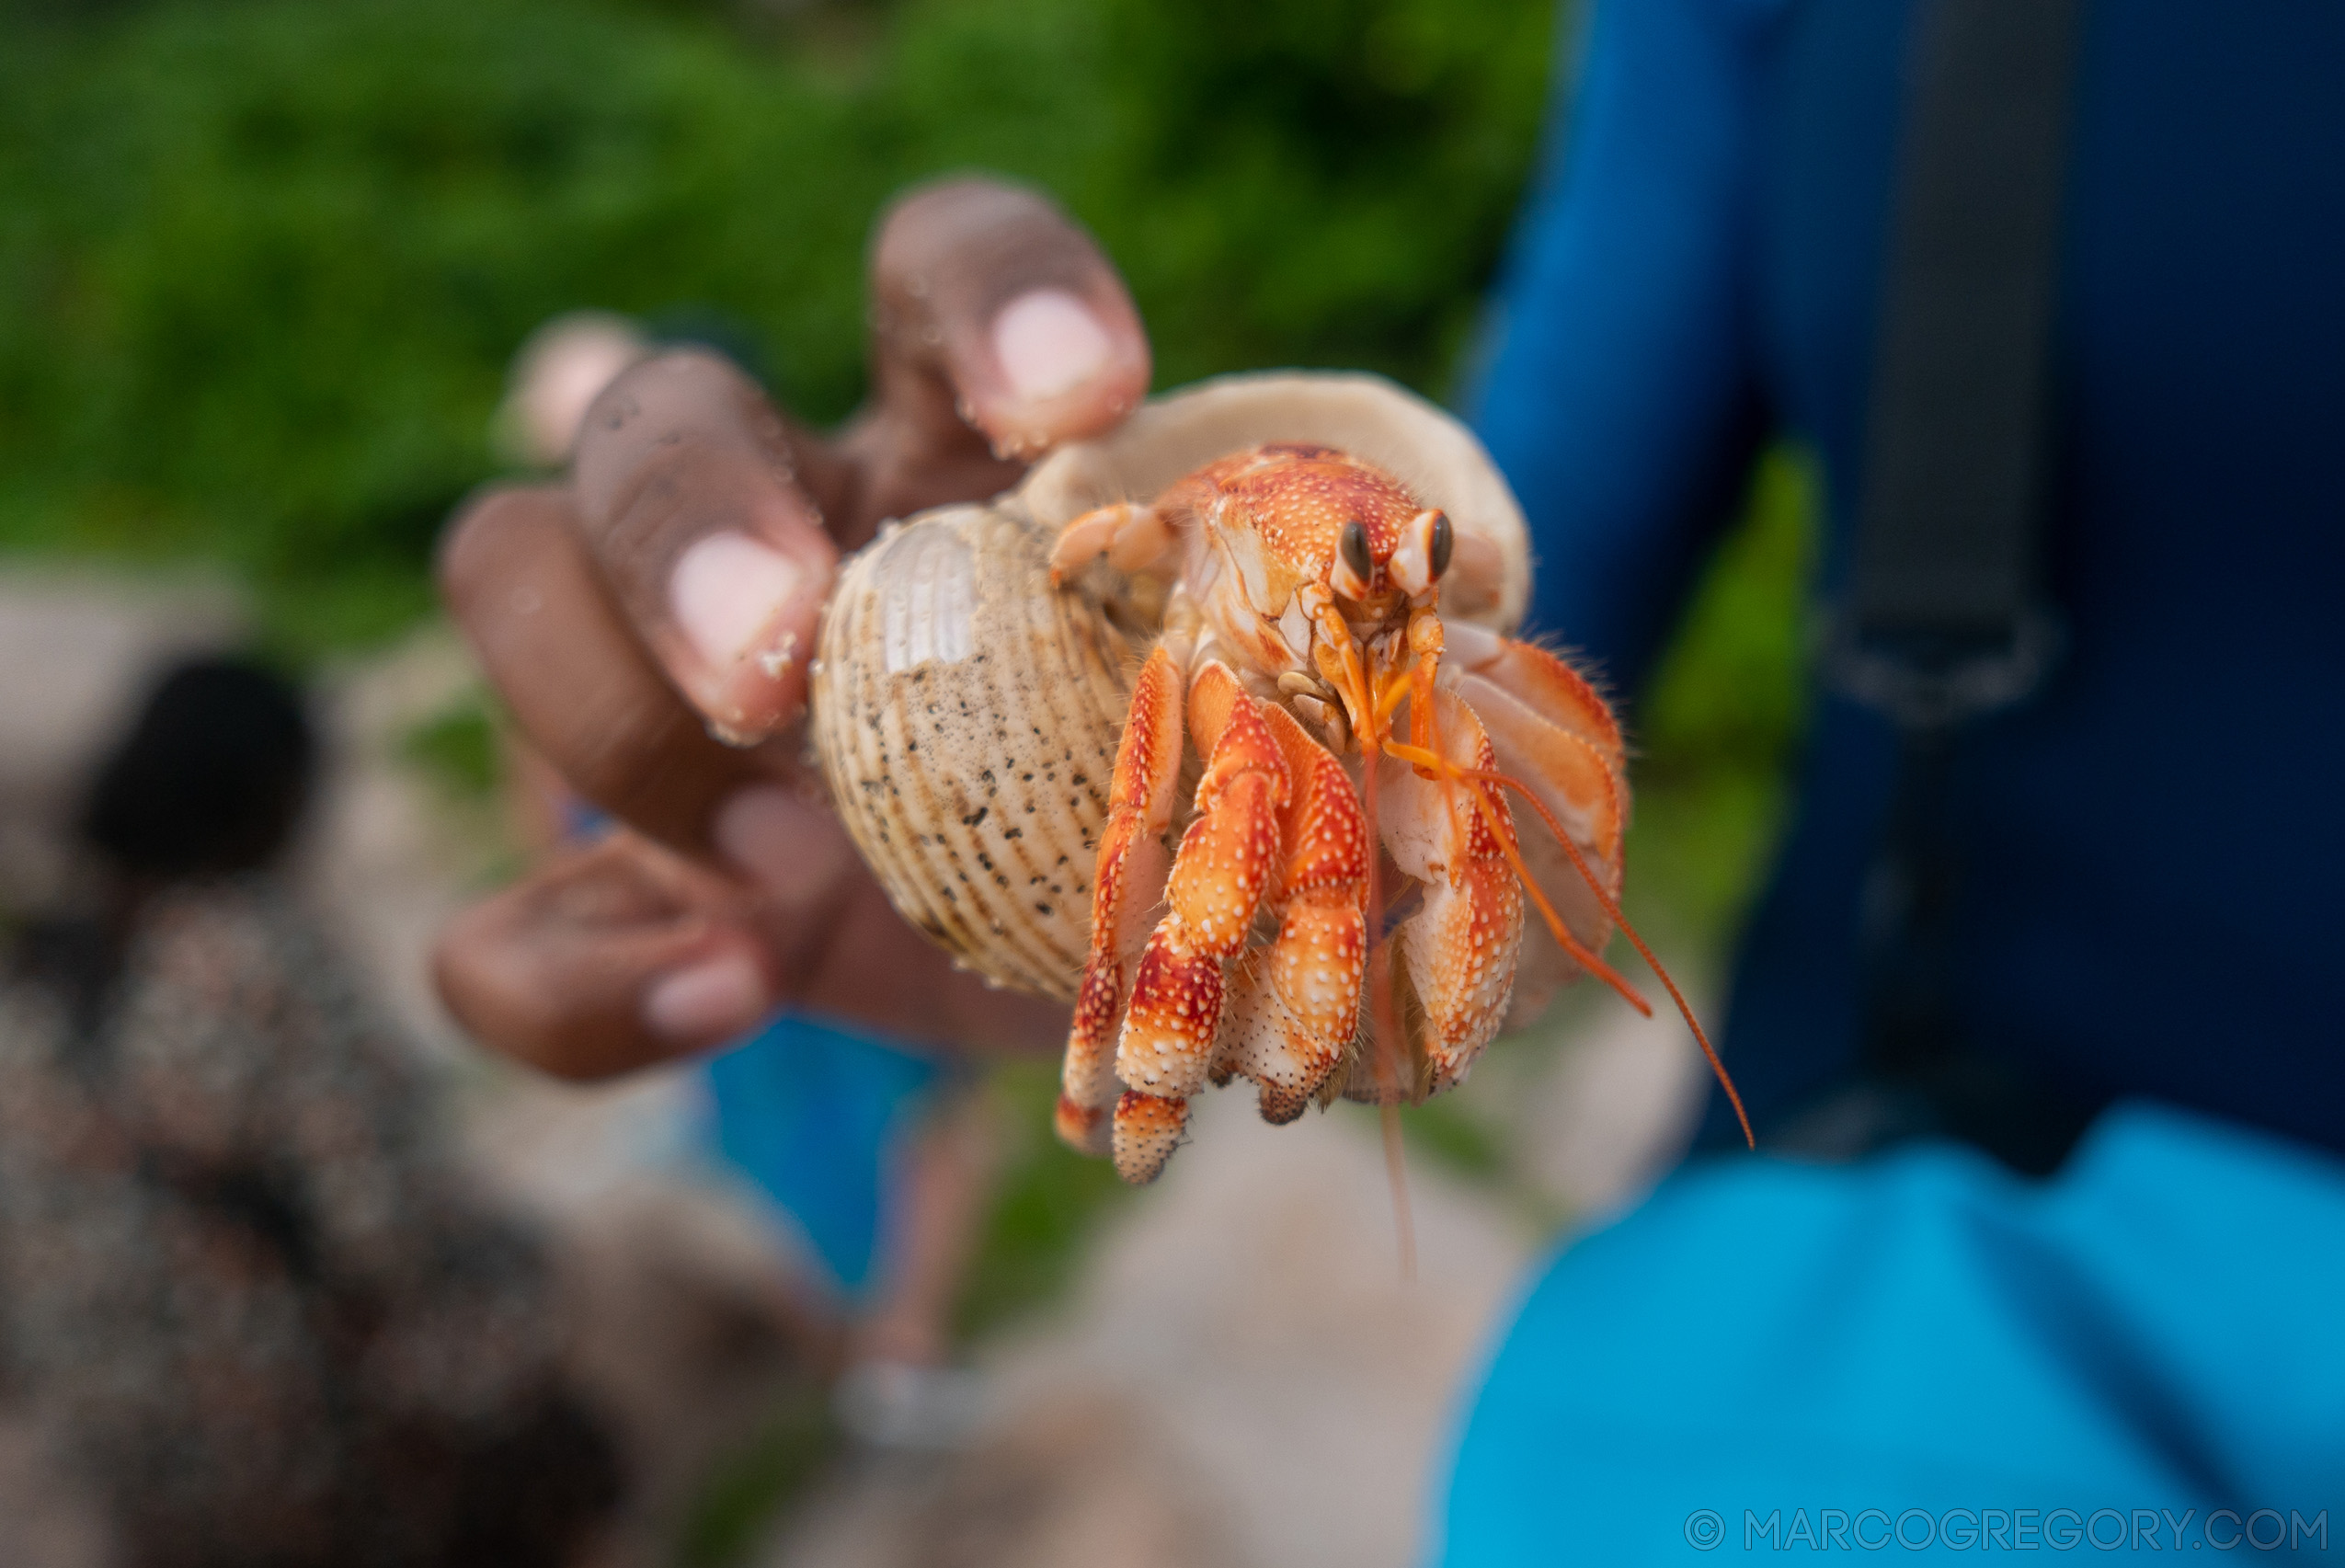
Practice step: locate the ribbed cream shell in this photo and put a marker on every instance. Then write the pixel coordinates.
(967, 715)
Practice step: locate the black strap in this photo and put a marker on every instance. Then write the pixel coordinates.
(1944, 619)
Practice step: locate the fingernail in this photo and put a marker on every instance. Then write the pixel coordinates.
(1048, 342)
(728, 592)
(796, 851)
(713, 1000)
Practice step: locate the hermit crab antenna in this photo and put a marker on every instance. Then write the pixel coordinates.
(1612, 907)
(1384, 1027)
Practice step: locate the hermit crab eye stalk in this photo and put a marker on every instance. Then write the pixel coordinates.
(1358, 568)
(1423, 552)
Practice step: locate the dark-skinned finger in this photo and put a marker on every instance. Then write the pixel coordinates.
(620, 954)
(687, 492)
(515, 573)
(609, 958)
(1000, 329)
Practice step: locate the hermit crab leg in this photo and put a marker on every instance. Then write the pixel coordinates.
(1127, 886)
(1459, 948)
(1562, 752)
(1293, 1014)
(1226, 865)
(1492, 812)
(1427, 761)
(1552, 731)
(1130, 535)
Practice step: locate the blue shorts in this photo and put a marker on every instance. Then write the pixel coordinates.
(813, 1115)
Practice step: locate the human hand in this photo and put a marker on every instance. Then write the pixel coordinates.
(673, 587)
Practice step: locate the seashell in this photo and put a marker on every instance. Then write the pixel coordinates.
(966, 714)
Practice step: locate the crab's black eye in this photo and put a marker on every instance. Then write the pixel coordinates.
(1355, 550)
(1443, 543)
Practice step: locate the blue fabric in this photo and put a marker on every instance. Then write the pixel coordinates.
(2155, 1329)
(2152, 848)
(811, 1114)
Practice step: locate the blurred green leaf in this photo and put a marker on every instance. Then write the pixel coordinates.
(749, 1489)
(1722, 716)
(267, 258)
(460, 748)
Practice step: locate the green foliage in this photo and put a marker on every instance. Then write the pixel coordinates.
(749, 1488)
(267, 258)
(459, 748)
(1462, 1143)
(1721, 715)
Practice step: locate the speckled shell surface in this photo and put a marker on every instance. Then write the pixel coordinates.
(966, 714)
(966, 717)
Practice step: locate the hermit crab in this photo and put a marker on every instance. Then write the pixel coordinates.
(1213, 729)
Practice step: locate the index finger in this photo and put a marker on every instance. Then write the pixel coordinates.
(688, 493)
(995, 313)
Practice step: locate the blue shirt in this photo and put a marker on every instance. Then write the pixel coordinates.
(1925, 1357)
(1920, 1350)
(2152, 850)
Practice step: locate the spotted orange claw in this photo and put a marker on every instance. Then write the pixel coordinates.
(1129, 880)
(1228, 859)
(1294, 1011)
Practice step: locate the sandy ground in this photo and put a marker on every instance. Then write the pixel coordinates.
(1261, 1386)
(1240, 1376)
